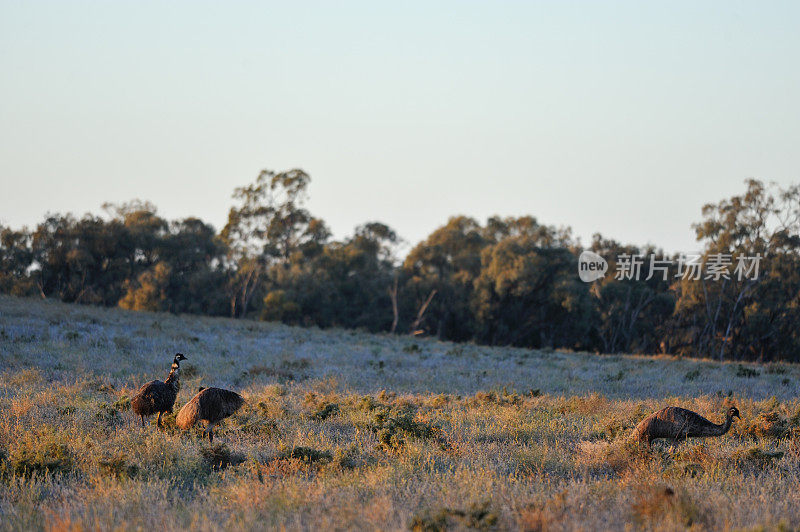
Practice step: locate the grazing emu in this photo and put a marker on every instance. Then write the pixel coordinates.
(678, 424)
(157, 396)
(211, 405)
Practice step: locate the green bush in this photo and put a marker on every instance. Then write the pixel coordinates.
(744, 371)
(477, 517)
(117, 467)
(324, 411)
(122, 404)
(692, 375)
(393, 426)
(39, 457)
(307, 455)
(757, 456)
(219, 456)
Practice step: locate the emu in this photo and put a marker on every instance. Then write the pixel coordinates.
(211, 405)
(157, 396)
(678, 424)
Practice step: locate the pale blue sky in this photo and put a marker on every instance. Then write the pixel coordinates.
(617, 117)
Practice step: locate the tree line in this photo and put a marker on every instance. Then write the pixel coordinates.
(508, 281)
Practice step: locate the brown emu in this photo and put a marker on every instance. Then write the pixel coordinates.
(157, 397)
(211, 405)
(678, 424)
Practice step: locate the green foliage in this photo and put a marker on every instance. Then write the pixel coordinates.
(306, 455)
(348, 458)
(117, 466)
(41, 454)
(528, 293)
(770, 425)
(218, 456)
(757, 456)
(278, 307)
(692, 374)
(775, 369)
(478, 516)
(149, 292)
(392, 425)
(509, 281)
(504, 397)
(122, 404)
(324, 411)
(746, 372)
(108, 413)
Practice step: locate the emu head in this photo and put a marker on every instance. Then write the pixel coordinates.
(176, 361)
(733, 412)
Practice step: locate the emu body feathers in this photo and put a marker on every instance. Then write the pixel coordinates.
(158, 397)
(211, 405)
(678, 424)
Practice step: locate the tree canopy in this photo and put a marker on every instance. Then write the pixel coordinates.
(508, 281)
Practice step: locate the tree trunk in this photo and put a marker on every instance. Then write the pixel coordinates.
(421, 313)
(395, 312)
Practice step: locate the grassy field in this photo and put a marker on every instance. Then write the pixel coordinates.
(347, 430)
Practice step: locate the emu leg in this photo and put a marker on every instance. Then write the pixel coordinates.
(158, 421)
(142, 421)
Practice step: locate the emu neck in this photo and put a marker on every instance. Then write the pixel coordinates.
(173, 378)
(724, 427)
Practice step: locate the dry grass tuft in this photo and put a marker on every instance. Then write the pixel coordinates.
(477, 517)
(218, 456)
(394, 425)
(757, 456)
(770, 425)
(305, 455)
(615, 456)
(662, 504)
(350, 443)
(540, 517)
(117, 466)
(39, 454)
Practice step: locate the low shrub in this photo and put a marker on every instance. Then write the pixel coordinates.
(324, 411)
(267, 371)
(478, 516)
(43, 455)
(771, 425)
(756, 456)
(692, 375)
(348, 458)
(615, 456)
(393, 425)
(659, 502)
(503, 397)
(122, 404)
(744, 371)
(117, 466)
(306, 455)
(219, 456)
